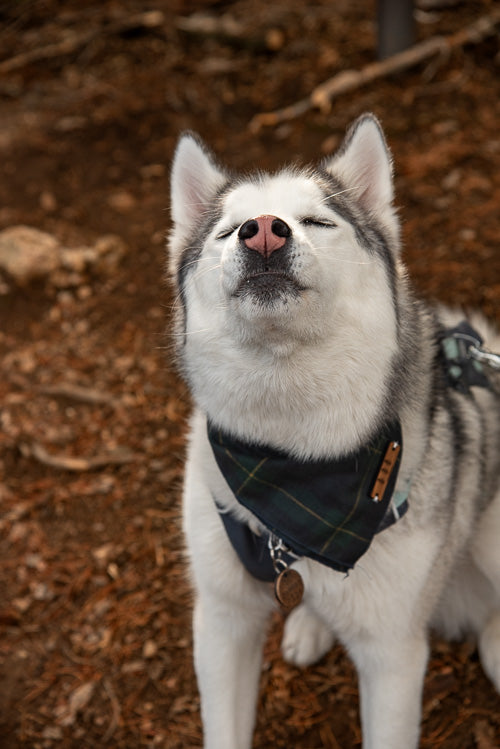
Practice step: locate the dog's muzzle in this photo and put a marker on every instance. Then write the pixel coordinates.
(266, 261)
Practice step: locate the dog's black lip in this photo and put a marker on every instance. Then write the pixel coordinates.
(283, 281)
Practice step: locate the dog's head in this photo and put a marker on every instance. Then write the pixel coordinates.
(268, 264)
(278, 257)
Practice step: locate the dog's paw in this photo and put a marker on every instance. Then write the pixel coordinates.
(489, 649)
(306, 639)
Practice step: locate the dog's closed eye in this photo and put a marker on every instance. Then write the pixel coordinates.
(323, 223)
(226, 233)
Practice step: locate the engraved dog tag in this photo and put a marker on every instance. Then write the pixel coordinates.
(289, 588)
(385, 471)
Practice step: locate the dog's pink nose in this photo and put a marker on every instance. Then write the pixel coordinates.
(265, 234)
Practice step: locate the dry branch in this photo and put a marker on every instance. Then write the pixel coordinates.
(437, 4)
(116, 712)
(349, 80)
(77, 393)
(73, 42)
(204, 24)
(66, 390)
(228, 30)
(73, 463)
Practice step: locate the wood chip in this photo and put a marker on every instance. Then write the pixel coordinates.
(78, 700)
(483, 735)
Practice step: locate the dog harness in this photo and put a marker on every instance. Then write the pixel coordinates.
(329, 510)
(464, 358)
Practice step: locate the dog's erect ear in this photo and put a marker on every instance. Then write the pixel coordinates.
(364, 164)
(195, 181)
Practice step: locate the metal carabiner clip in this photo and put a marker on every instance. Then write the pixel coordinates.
(485, 357)
(276, 546)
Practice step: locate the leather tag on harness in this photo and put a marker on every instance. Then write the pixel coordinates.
(388, 465)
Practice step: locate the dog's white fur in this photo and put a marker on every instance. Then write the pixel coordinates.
(309, 374)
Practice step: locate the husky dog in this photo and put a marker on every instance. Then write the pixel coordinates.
(307, 353)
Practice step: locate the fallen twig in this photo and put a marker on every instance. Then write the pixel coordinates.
(348, 80)
(73, 42)
(205, 24)
(226, 29)
(437, 4)
(72, 463)
(115, 711)
(66, 390)
(77, 393)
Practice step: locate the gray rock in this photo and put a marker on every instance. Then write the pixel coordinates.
(27, 254)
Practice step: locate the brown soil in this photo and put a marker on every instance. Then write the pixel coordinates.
(95, 645)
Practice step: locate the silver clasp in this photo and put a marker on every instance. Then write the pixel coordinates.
(485, 357)
(276, 547)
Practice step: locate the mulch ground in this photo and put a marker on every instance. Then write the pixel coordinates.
(95, 643)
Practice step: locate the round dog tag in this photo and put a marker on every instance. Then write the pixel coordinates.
(289, 588)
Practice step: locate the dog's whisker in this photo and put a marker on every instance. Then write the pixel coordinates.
(336, 194)
(198, 331)
(204, 271)
(201, 260)
(337, 260)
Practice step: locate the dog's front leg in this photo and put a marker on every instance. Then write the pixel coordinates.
(391, 675)
(228, 643)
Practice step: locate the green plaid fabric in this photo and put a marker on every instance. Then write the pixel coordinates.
(320, 508)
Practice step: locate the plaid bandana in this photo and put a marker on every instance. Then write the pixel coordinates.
(322, 509)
